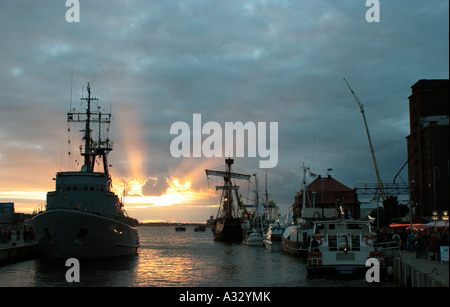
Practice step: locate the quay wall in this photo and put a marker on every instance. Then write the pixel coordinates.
(16, 253)
(420, 272)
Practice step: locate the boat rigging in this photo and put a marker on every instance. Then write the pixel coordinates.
(92, 149)
(227, 228)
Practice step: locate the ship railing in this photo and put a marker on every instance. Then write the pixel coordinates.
(389, 249)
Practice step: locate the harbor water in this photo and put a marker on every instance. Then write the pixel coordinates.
(179, 259)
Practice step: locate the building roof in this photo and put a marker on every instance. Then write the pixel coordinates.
(329, 184)
(326, 190)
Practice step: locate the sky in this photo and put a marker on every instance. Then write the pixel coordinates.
(155, 63)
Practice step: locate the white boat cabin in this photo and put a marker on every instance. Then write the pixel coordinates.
(345, 235)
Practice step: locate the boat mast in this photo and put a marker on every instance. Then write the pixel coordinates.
(91, 148)
(89, 159)
(227, 175)
(228, 204)
(304, 186)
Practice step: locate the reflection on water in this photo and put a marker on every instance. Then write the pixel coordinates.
(170, 258)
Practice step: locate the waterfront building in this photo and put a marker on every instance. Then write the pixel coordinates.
(6, 213)
(327, 192)
(428, 146)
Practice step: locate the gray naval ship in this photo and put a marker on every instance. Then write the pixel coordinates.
(84, 219)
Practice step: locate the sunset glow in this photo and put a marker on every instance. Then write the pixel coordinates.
(176, 193)
(29, 195)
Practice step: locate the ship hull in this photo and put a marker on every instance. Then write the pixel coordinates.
(228, 230)
(65, 233)
(349, 271)
(337, 271)
(296, 248)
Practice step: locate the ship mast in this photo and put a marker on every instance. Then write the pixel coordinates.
(228, 182)
(89, 159)
(92, 149)
(228, 186)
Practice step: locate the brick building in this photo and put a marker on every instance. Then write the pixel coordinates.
(428, 146)
(327, 192)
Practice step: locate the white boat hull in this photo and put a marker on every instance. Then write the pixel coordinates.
(337, 271)
(65, 233)
(340, 249)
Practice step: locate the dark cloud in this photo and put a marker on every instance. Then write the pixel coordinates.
(159, 62)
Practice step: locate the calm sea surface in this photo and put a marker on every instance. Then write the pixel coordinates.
(178, 259)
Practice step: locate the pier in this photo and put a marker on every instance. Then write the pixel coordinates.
(410, 271)
(18, 250)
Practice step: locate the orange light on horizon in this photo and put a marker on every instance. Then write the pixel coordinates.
(176, 193)
(29, 194)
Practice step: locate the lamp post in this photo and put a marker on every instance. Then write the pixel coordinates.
(435, 218)
(410, 205)
(445, 217)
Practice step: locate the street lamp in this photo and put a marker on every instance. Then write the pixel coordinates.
(445, 217)
(435, 218)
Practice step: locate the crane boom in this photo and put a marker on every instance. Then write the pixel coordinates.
(361, 108)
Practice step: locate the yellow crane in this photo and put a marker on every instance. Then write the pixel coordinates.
(361, 108)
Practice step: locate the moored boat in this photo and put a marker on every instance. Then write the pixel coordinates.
(228, 224)
(84, 219)
(180, 227)
(341, 248)
(200, 228)
(254, 238)
(273, 239)
(296, 238)
(228, 230)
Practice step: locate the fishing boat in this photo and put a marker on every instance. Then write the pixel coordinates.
(228, 224)
(200, 228)
(296, 238)
(341, 248)
(84, 218)
(254, 238)
(255, 221)
(273, 239)
(180, 227)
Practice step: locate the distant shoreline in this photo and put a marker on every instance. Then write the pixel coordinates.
(170, 224)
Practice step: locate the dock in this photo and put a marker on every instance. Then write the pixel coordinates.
(18, 250)
(410, 271)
